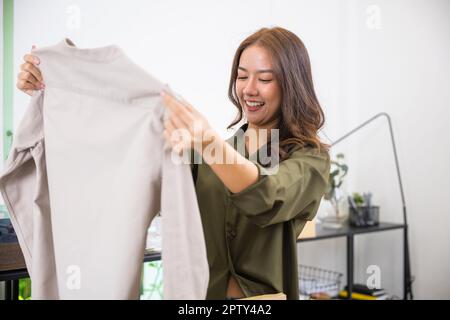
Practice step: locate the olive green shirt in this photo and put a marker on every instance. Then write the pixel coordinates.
(252, 234)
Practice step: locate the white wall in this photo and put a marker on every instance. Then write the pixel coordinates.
(401, 68)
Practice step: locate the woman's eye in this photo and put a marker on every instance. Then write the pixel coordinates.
(262, 80)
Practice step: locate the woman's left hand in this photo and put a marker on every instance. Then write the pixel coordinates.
(185, 128)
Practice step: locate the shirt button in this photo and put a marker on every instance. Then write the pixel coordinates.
(231, 234)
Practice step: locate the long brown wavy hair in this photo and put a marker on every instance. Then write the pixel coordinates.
(301, 114)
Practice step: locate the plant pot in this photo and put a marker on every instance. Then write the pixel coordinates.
(333, 213)
(365, 216)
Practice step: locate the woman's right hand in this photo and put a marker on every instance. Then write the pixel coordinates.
(29, 78)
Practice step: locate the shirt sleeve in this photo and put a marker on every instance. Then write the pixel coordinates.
(185, 264)
(24, 188)
(292, 192)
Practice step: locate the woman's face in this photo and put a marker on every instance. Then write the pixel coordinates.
(257, 88)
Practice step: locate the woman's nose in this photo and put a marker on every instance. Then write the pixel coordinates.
(250, 88)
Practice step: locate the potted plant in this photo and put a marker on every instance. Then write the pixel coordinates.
(333, 193)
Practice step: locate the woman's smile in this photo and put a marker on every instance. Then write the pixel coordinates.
(253, 105)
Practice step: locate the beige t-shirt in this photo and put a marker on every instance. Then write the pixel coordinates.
(88, 171)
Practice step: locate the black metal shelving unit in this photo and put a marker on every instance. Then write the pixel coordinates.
(349, 233)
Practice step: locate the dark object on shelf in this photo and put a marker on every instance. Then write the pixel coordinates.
(316, 282)
(361, 296)
(408, 293)
(362, 288)
(364, 216)
(7, 233)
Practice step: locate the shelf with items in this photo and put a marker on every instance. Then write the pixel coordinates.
(349, 232)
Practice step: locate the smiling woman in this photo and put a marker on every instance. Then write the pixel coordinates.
(262, 215)
(252, 219)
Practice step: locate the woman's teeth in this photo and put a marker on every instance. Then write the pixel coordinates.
(254, 104)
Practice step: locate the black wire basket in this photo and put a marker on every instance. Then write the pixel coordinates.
(313, 281)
